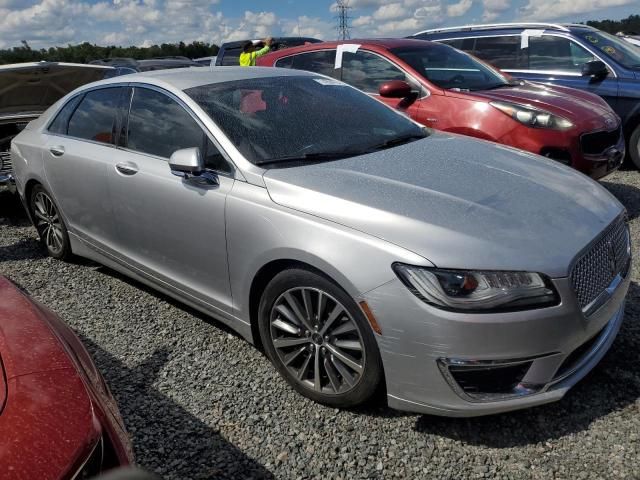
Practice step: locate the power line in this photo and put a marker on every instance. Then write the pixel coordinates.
(343, 18)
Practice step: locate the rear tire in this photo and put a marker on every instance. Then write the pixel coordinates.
(634, 147)
(49, 224)
(318, 339)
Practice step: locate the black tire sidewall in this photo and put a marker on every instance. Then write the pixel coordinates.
(65, 253)
(373, 372)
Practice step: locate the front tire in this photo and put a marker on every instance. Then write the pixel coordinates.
(49, 224)
(634, 147)
(318, 339)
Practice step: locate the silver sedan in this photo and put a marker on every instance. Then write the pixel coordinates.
(361, 251)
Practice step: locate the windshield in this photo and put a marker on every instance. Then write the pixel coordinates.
(280, 119)
(451, 69)
(624, 53)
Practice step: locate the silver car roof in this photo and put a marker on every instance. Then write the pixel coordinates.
(185, 78)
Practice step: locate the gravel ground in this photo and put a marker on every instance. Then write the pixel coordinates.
(199, 402)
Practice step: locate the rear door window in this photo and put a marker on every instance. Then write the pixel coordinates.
(95, 117)
(367, 71)
(501, 52)
(557, 54)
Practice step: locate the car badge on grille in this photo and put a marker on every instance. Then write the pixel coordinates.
(609, 122)
(611, 257)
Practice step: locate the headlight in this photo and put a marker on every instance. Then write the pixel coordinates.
(477, 291)
(532, 117)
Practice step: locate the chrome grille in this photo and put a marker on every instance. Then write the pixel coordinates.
(5, 162)
(596, 268)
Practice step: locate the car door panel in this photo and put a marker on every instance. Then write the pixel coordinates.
(169, 228)
(172, 230)
(77, 156)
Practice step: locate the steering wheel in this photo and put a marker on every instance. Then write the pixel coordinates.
(457, 79)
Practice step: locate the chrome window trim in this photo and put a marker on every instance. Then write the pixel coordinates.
(548, 72)
(489, 26)
(171, 95)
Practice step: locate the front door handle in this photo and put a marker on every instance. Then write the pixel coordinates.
(57, 151)
(127, 168)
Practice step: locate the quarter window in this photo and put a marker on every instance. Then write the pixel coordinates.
(95, 117)
(159, 126)
(61, 122)
(557, 53)
(367, 71)
(501, 52)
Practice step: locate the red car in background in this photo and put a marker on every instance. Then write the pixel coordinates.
(446, 89)
(57, 417)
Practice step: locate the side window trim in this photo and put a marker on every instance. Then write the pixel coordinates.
(77, 97)
(83, 94)
(205, 131)
(519, 70)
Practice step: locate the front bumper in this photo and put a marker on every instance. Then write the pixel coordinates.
(417, 338)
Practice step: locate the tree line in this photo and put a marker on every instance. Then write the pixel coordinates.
(85, 52)
(629, 24)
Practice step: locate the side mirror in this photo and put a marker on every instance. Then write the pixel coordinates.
(595, 69)
(188, 164)
(395, 89)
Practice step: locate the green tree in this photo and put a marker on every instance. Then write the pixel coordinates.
(85, 52)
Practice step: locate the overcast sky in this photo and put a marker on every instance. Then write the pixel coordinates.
(45, 23)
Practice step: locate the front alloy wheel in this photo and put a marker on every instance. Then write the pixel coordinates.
(318, 339)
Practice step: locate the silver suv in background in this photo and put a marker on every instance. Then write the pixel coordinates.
(354, 245)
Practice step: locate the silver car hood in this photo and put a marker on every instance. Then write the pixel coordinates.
(458, 202)
(28, 89)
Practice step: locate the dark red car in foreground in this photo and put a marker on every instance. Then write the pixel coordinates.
(449, 90)
(57, 417)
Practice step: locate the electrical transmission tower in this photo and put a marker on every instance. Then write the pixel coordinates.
(343, 18)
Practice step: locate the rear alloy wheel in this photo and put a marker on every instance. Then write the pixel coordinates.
(49, 224)
(319, 340)
(634, 147)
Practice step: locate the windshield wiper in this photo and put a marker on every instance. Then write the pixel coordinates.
(312, 157)
(503, 85)
(397, 141)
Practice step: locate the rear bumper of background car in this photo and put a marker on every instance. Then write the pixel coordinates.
(432, 357)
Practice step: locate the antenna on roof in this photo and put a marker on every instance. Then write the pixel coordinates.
(343, 18)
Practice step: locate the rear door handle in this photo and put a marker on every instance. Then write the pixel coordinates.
(127, 168)
(57, 151)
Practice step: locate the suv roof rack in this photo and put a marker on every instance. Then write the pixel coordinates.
(490, 26)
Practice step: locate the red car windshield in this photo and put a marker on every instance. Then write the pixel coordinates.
(451, 69)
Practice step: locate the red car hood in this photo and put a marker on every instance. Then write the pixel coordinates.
(575, 105)
(44, 397)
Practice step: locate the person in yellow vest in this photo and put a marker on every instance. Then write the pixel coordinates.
(250, 53)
